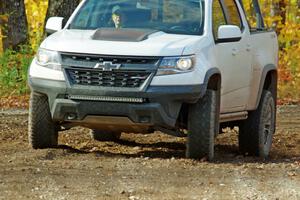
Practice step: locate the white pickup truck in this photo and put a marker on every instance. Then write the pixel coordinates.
(183, 67)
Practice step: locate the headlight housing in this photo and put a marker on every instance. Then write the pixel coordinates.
(49, 59)
(175, 65)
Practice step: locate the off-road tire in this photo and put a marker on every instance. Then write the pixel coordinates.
(203, 123)
(256, 133)
(103, 136)
(41, 128)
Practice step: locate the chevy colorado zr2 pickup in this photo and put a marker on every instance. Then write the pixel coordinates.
(182, 67)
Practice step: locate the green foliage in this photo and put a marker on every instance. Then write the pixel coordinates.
(282, 15)
(13, 71)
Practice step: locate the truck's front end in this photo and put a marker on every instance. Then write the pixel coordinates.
(122, 65)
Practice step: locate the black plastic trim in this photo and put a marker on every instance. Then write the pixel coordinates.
(211, 72)
(227, 40)
(268, 68)
(161, 108)
(259, 31)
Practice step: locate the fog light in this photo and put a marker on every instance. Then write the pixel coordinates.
(144, 119)
(71, 116)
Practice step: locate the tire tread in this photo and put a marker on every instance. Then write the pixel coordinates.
(41, 128)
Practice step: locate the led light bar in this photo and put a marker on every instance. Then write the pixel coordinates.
(107, 99)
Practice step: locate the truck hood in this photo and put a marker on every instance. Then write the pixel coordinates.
(156, 44)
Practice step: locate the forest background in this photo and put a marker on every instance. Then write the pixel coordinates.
(22, 29)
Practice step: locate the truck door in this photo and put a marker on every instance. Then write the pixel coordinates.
(233, 58)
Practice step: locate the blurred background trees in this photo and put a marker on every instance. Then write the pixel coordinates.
(38, 11)
(61, 8)
(13, 23)
(284, 17)
(280, 15)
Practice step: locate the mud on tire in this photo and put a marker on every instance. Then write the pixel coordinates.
(203, 123)
(256, 133)
(41, 128)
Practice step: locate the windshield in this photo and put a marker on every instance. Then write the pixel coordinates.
(170, 16)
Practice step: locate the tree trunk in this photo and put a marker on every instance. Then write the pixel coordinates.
(13, 23)
(281, 11)
(61, 8)
(298, 10)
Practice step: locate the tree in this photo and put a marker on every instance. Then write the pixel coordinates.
(281, 9)
(13, 23)
(298, 6)
(61, 8)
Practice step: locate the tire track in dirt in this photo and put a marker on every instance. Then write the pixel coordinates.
(145, 166)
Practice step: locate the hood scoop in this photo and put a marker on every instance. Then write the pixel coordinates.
(124, 35)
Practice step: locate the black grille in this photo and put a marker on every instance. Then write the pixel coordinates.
(115, 78)
(73, 59)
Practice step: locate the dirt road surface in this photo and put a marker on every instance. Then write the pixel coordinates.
(145, 166)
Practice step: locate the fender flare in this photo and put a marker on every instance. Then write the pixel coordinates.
(268, 68)
(211, 72)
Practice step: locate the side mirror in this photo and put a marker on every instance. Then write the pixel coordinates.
(54, 24)
(229, 33)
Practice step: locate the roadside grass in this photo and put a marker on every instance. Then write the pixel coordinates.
(13, 71)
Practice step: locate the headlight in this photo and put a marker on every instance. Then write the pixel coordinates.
(49, 59)
(175, 65)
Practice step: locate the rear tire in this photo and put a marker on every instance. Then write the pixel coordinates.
(104, 136)
(203, 125)
(41, 128)
(256, 133)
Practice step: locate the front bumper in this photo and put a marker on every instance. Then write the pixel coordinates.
(160, 109)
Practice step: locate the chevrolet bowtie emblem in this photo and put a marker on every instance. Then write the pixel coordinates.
(107, 66)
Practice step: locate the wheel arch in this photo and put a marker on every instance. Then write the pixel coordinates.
(268, 81)
(212, 80)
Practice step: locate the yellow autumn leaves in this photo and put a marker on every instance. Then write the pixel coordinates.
(3, 19)
(289, 38)
(36, 12)
(1, 49)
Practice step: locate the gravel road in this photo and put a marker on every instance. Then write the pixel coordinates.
(145, 166)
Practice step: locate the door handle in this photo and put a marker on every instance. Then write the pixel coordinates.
(273, 35)
(235, 51)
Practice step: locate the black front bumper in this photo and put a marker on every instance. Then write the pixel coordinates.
(160, 109)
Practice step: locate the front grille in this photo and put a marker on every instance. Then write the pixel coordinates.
(114, 78)
(92, 60)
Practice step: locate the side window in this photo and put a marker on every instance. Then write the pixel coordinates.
(253, 15)
(218, 17)
(232, 13)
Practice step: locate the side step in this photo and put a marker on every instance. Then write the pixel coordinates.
(228, 117)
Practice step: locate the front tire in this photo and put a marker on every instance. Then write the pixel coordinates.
(256, 133)
(41, 128)
(203, 124)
